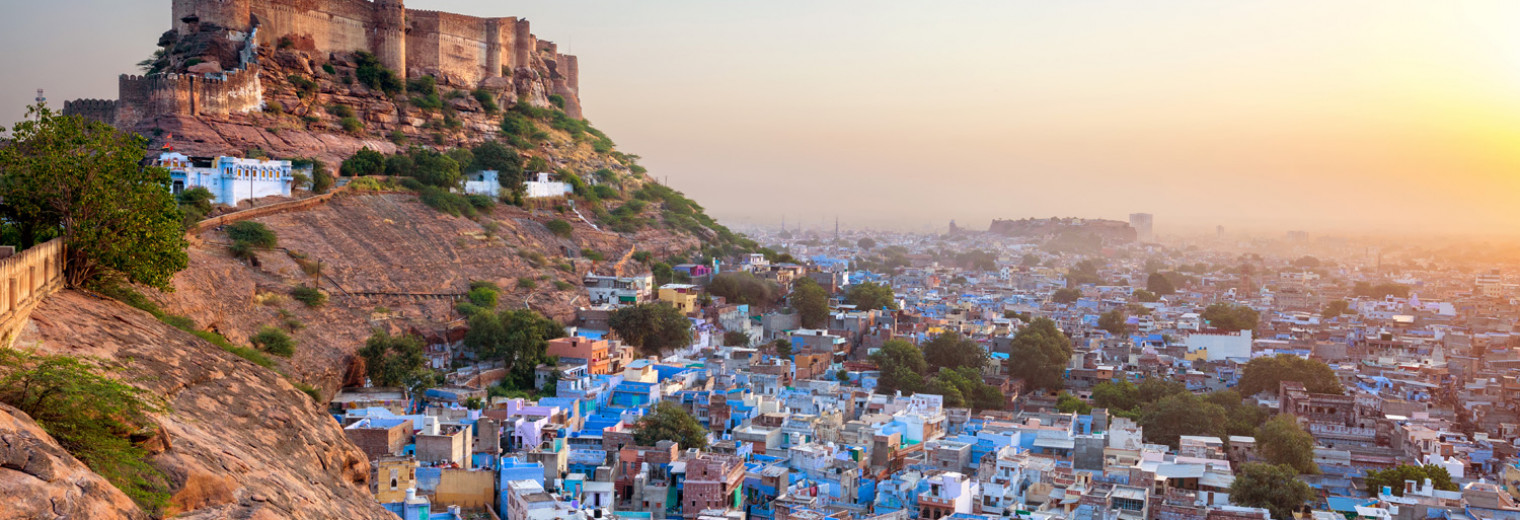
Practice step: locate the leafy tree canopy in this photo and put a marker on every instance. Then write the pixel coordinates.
(1264, 373)
(1394, 478)
(516, 337)
(954, 351)
(1281, 441)
(870, 295)
(902, 367)
(653, 327)
(1275, 488)
(668, 421)
(812, 301)
(1039, 354)
(1066, 296)
(81, 180)
(394, 360)
(1227, 316)
(744, 288)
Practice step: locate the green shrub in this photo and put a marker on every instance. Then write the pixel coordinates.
(560, 228)
(534, 258)
(447, 202)
(311, 391)
(594, 255)
(374, 75)
(352, 124)
(304, 87)
(328, 68)
(253, 233)
(273, 341)
(483, 297)
(91, 413)
(558, 100)
(526, 283)
(340, 110)
(603, 191)
(311, 296)
(487, 100)
(561, 285)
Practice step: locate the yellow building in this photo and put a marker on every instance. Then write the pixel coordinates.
(683, 296)
(396, 475)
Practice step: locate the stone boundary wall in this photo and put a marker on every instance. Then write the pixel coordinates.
(263, 211)
(147, 97)
(101, 110)
(25, 279)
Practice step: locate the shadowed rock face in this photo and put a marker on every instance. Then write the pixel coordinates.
(242, 442)
(38, 479)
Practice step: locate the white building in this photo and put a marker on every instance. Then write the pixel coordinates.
(541, 187)
(619, 290)
(1221, 345)
(230, 179)
(484, 182)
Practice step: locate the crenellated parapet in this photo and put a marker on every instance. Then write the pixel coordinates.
(102, 110)
(147, 97)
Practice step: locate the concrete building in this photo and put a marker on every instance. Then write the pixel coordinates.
(231, 180)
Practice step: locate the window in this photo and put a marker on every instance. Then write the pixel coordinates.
(179, 187)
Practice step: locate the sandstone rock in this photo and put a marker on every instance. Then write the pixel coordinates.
(225, 447)
(497, 83)
(39, 479)
(208, 67)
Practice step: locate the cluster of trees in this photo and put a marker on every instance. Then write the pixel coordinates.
(1114, 322)
(811, 301)
(1083, 273)
(1394, 478)
(949, 365)
(1066, 296)
(518, 338)
(1167, 410)
(395, 361)
(1336, 308)
(82, 181)
(1160, 284)
(1265, 373)
(742, 287)
(1273, 487)
(870, 295)
(1038, 354)
(1227, 316)
(652, 327)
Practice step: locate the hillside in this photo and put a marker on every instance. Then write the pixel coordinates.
(393, 245)
(240, 442)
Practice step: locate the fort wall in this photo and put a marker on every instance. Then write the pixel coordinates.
(102, 110)
(25, 279)
(147, 97)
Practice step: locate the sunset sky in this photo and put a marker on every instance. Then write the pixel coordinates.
(1368, 115)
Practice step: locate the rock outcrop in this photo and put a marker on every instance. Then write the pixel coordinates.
(39, 479)
(242, 442)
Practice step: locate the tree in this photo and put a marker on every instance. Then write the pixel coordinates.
(394, 360)
(866, 243)
(1066, 296)
(1116, 395)
(1039, 354)
(1154, 389)
(870, 295)
(1280, 441)
(434, 169)
(1085, 272)
(1394, 478)
(902, 367)
(492, 155)
(1275, 488)
(668, 421)
(652, 327)
(812, 301)
(952, 350)
(1307, 262)
(1368, 290)
(1336, 308)
(194, 204)
(273, 341)
(1030, 260)
(255, 234)
(1264, 374)
(1067, 403)
(516, 337)
(1145, 296)
(81, 180)
(742, 287)
(1241, 418)
(363, 162)
(321, 178)
(1168, 419)
(1114, 322)
(1231, 317)
(1159, 284)
(783, 348)
(93, 414)
(735, 338)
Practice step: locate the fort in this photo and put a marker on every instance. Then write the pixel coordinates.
(456, 49)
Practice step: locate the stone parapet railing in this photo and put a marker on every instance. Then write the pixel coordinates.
(25, 279)
(262, 211)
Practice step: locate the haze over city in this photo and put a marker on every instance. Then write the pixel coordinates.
(1354, 115)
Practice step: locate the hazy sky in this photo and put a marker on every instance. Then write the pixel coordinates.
(1374, 114)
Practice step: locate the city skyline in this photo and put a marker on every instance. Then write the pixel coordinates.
(1269, 116)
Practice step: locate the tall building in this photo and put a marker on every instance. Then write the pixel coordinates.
(1142, 224)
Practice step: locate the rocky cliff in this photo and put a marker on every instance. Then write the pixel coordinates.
(241, 442)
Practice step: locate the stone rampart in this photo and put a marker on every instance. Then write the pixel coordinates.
(262, 211)
(25, 279)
